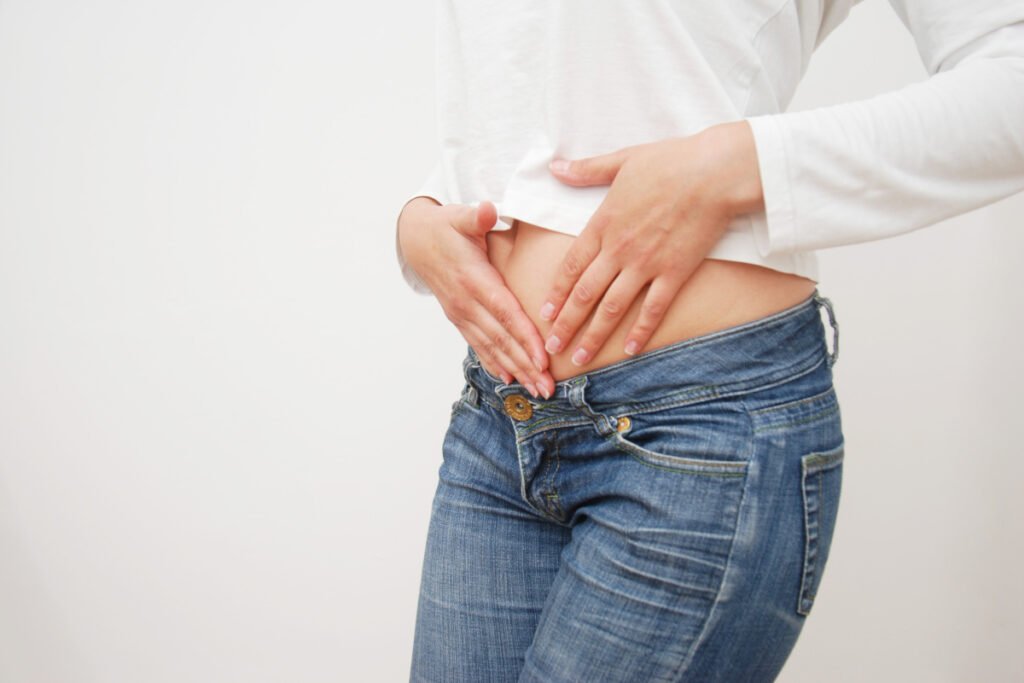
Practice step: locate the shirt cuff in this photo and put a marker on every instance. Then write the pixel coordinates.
(775, 228)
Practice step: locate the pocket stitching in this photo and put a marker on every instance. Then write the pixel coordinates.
(675, 463)
(814, 464)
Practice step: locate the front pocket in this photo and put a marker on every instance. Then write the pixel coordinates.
(712, 438)
(821, 483)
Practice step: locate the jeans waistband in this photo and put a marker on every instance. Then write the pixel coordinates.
(728, 362)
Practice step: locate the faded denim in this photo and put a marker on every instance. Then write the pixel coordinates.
(667, 517)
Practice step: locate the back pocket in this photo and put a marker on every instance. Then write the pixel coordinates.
(820, 483)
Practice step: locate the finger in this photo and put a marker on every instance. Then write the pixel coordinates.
(490, 341)
(583, 250)
(652, 311)
(508, 347)
(504, 306)
(608, 314)
(489, 303)
(485, 351)
(473, 220)
(597, 170)
(587, 291)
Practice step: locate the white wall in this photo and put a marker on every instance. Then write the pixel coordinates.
(221, 410)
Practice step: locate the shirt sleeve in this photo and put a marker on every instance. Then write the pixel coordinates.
(902, 160)
(434, 188)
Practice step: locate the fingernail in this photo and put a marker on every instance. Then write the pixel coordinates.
(631, 347)
(532, 389)
(553, 344)
(559, 166)
(547, 310)
(545, 392)
(580, 357)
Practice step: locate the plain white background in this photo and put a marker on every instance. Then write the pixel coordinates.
(221, 409)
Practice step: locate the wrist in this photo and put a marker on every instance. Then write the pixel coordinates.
(734, 171)
(411, 215)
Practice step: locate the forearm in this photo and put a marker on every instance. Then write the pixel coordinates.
(901, 160)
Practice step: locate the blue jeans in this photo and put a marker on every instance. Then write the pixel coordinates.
(667, 517)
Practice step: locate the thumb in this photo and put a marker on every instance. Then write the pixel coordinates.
(596, 170)
(475, 220)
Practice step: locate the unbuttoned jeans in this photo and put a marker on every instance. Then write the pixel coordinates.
(667, 517)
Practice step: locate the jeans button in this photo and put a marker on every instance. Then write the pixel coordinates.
(518, 407)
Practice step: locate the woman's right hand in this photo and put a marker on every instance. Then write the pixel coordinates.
(447, 247)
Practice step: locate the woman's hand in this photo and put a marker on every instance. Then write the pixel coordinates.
(447, 248)
(668, 204)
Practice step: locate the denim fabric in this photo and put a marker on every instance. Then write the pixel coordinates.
(667, 517)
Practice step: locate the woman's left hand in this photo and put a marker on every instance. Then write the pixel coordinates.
(668, 205)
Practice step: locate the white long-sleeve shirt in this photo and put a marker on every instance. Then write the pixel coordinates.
(522, 83)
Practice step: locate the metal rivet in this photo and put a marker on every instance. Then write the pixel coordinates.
(622, 423)
(518, 407)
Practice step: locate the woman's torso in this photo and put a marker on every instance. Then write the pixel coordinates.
(718, 295)
(507, 107)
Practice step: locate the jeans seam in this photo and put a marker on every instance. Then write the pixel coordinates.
(547, 466)
(699, 640)
(552, 495)
(804, 571)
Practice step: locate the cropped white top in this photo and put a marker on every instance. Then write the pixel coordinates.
(521, 83)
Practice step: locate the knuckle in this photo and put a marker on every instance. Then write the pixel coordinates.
(590, 340)
(573, 265)
(646, 254)
(488, 347)
(463, 279)
(562, 331)
(503, 341)
(641, 332)
(653, 308)
(611, 308)
(582, 293)
(504, 317)
(625, 244)
(460, 310)
(494, 299)
(454, 315)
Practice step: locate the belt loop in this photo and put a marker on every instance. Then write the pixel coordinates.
(605, 423)
(468, 363)
(472, 360)
(834, 356)
(472, 393)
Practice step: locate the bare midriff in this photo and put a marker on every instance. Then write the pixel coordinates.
(719, 294)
